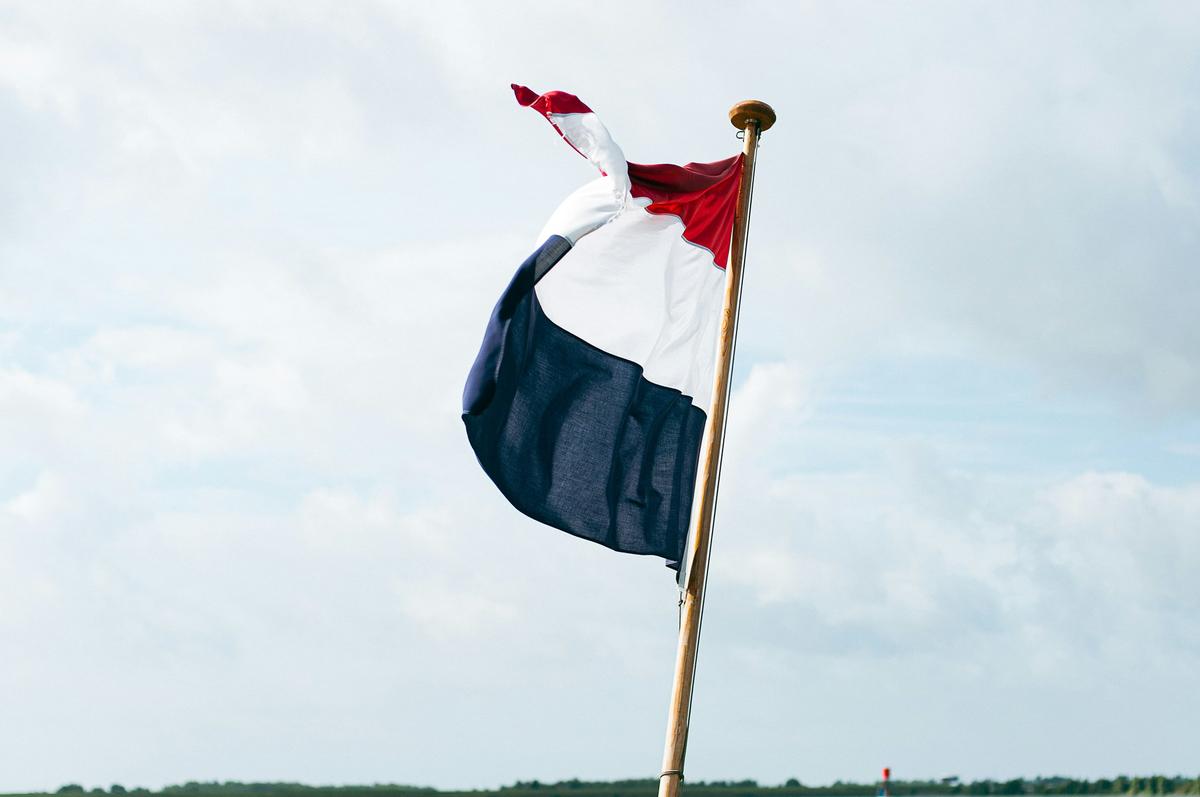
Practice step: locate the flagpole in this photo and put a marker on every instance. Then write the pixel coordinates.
(751, 117)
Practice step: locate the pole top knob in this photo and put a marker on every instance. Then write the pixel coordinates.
(748, 111)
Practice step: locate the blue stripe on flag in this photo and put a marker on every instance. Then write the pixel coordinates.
(576, 437)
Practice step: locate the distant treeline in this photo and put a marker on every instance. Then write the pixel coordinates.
(1121, 785)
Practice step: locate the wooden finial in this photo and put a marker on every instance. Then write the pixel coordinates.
(748, 111)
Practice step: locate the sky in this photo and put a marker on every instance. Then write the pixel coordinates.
(247, 253)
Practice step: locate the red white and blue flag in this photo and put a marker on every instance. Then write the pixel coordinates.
(588, 400)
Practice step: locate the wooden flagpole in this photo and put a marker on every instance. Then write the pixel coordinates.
(752, 117)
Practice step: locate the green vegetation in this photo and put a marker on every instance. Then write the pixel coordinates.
(1129, 786)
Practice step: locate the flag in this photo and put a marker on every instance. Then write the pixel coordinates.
(587, 402)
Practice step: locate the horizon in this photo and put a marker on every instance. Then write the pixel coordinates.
(946, 783)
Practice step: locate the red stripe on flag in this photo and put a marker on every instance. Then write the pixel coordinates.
(702, 195)
(550, 102)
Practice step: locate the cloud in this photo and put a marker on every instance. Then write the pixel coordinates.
(900, 567)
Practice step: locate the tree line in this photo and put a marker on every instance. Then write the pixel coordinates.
(1124, 785)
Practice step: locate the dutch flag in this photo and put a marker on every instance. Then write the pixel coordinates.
(588, 400)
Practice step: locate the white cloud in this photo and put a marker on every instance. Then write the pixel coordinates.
(37, 504)
(895, 561)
